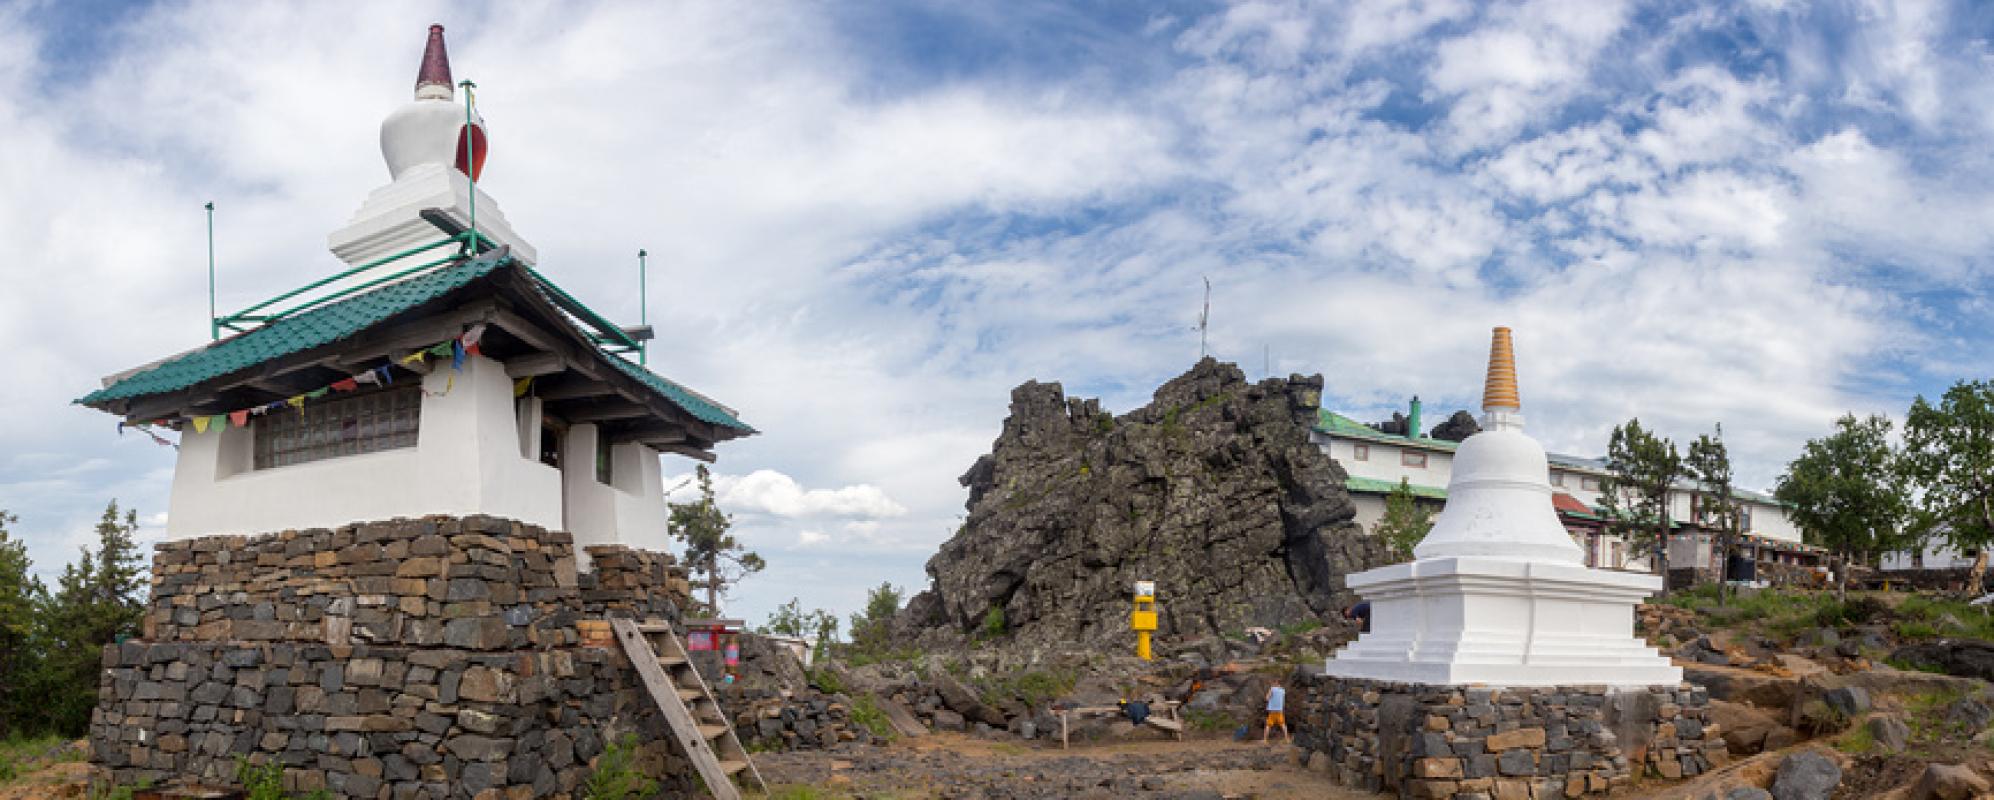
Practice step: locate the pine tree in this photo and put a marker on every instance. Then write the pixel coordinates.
(21, 594)
(711, 552)
(98, 600)
(1405, 523)
(1643, 468)
(1709, 462)
(872, 629)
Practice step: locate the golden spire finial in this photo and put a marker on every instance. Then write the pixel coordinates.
(1500, 392)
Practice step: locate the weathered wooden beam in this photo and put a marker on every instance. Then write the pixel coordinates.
(605, 412)
(534, 364)
(573, 389)
(688, 452)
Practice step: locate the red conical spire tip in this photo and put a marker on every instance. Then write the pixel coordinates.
(435, 64)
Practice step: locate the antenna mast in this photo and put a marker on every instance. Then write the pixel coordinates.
(1205, 319)
(643, 305)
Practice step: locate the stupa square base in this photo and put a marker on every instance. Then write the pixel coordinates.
(1460, 742)
(1503, 622)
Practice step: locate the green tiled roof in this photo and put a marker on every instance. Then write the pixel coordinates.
(338, 320)
(1376, 486)
(319, 326)
(705, 410)
(1334, 424)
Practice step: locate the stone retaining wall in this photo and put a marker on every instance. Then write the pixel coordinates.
(1481, 743)
(438, 657)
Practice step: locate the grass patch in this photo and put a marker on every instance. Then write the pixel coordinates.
(866, 712)
(1857, 742)
(20, 755)
(1036, 687)
(1204, 721)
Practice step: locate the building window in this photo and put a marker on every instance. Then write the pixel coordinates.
(342, 426)
(1360, 452)
(605, 472)
(1557, 479)
(1410, 458)
(552, 434)
(1590, 484)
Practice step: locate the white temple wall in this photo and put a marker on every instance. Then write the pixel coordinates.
(629, 510)
(467, 460)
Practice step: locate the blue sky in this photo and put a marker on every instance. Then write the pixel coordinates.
(869, 221)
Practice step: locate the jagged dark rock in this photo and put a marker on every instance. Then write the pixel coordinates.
(1213, 490)
(1457, 428)
(1396, 426)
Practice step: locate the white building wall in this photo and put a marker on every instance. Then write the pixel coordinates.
(1938, 555)
(1370, 509)
(467, 460)
(630, 510)
(1386, 462)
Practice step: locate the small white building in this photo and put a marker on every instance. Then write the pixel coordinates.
(1376, 462)
(438, 373)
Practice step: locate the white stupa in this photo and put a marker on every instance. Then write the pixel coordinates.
(1497, 592)
(433, 157)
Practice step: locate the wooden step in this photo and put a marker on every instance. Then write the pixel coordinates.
(690, 695)
(654, 627)
(731, 767)
(671, 661)
(710, 732)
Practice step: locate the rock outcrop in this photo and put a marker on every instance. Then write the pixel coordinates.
(1457, 428)
(1213, 491)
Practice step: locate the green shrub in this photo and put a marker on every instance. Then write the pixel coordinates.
(1915, 630)
(993, 622)
(866, 712)
(616, 776)
(260, 781)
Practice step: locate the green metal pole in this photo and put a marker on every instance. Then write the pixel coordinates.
(214, 328)
(471, 162)
(643, 304)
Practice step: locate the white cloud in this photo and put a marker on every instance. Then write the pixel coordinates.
(767, 491)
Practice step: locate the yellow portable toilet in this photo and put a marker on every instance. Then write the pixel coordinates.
(1143, 619)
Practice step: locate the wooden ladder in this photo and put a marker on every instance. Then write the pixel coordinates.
(701, 726)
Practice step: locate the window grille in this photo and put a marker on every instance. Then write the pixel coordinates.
(341, 426)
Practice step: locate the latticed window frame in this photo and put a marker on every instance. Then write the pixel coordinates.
(335, 427)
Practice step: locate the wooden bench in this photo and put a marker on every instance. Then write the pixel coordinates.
(1156, 719)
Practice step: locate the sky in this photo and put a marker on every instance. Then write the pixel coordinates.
(869, 221)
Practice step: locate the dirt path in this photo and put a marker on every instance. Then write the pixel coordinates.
(955, 766)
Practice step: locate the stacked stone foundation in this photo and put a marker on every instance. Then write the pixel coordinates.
(430, 658)
(1486, 743)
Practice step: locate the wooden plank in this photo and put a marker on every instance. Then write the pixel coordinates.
(688, 452)
(729, 745)
(664, 694)
(534, 364)
(901, 719)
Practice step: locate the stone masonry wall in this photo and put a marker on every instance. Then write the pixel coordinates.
(439, 657)
(1482, 743)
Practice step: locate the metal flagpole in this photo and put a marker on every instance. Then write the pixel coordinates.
(471, 161)
(643, 305)
(214, 328)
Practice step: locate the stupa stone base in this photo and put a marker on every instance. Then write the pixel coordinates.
(1502, 622)
(439, 657)
(1468, 742)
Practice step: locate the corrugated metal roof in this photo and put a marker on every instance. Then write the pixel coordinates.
(350, 316)
(1376, 486)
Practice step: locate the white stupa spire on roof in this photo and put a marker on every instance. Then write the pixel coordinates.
(432, 157)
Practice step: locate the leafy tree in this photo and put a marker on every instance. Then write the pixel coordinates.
(98, 600)
(1405, 522)
(21, 594)
(1949, 451)
(1709, 463)
(872, 629)
(789, 619)
(1642, 468)
(711, 552)
(1846, 492)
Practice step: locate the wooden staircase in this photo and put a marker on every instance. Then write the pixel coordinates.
(696, 718)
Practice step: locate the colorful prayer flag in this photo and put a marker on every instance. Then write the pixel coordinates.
(520, 386)
(240, 418)
(457, 356)
(346, 385)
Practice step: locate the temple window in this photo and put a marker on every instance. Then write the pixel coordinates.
(1409, 458)
(340, 426)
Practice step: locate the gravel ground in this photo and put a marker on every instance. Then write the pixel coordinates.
(958, 767)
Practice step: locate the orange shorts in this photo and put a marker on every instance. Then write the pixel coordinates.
(1276, 718)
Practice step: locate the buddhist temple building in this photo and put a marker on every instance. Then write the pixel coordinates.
(437, 373)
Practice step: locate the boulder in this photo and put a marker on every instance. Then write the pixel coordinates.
(1806, 775)
(1744, 728)
(1968, 717)
(1213, 490)
(1889, 732)
(1966, 658)
(1948, 782)
(1849, 701)
(1747, 793)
